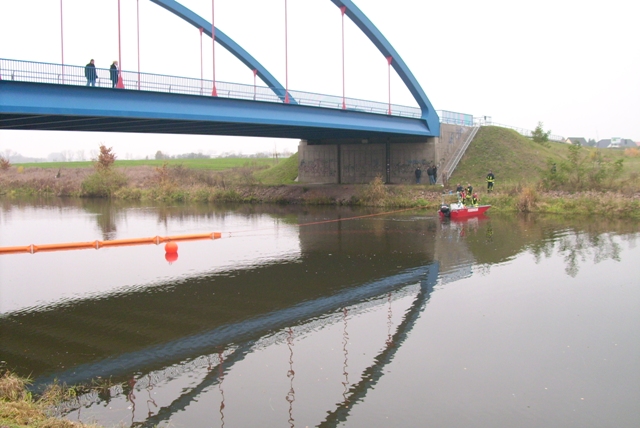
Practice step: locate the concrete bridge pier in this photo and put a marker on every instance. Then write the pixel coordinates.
(361, 163)
(349, 163)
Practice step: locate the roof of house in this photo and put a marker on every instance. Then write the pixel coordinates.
(577, 140)
(624, 142)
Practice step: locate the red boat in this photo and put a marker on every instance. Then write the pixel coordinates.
(456, 211)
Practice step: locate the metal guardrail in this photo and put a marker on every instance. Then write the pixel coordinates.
(39, 72)
(455, 118)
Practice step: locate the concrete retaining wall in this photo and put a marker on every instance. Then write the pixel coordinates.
(361, 163)
(317, 164)
(406, 157)
(394, 162)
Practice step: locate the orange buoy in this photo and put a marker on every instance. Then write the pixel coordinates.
(171, 257)
(171, 247)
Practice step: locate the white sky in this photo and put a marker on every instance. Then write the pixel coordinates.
(570, 64)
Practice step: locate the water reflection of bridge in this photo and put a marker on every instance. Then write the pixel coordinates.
(148, 335)
(416, 285)
(335, 258)
(220, 317)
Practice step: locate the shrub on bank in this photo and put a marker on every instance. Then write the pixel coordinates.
(374, 193)
(583, 170)
(103, 183)
(5, 164)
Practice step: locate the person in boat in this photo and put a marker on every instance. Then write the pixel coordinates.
(474, 200)
(462, 199)
(469, 192)
(459, 190)
(490, 179)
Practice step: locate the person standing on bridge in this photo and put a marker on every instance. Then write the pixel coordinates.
(90, 73)
(490, 179)
(113, 74)
(418, 175)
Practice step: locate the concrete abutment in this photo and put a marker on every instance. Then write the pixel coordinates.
(361, 163)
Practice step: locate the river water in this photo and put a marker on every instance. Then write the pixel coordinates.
(312, 316)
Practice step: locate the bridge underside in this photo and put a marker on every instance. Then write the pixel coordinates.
(33, 106)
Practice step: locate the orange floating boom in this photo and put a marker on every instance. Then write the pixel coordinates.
(114, 243)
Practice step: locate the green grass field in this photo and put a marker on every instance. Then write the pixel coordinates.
(215, 164)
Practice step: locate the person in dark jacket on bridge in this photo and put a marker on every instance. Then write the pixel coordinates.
(113, 74)
(418, 175)
(90, 73)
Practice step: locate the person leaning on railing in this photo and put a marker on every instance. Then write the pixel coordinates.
(113, 74)
(90, 73)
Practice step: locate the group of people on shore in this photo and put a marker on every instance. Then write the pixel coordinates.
(432, 173)
(91, 74)
(467, 196)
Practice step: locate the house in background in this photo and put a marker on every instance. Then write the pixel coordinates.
(576, 141)
(613, 143)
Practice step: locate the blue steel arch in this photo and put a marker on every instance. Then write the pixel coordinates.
(429, 114)
(226, 42)
(366, 26)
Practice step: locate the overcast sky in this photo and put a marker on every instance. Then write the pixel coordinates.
(573, 65)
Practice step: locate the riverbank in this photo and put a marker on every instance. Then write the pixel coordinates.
(19, 408)
(180, 184)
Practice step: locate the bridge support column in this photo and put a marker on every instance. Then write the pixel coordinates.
(406, 157)
(361, 163)
(318, 164)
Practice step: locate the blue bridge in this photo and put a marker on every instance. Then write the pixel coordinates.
(343, 140)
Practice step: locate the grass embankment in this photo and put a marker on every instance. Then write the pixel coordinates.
(19, 408)
(517, 161)
(584, 181)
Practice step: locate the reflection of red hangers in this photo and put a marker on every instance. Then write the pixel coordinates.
(221, 377)
(345, 342)
(131, 397)
(291, 395)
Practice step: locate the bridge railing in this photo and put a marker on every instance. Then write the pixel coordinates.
(39, 72)
(455, 118)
